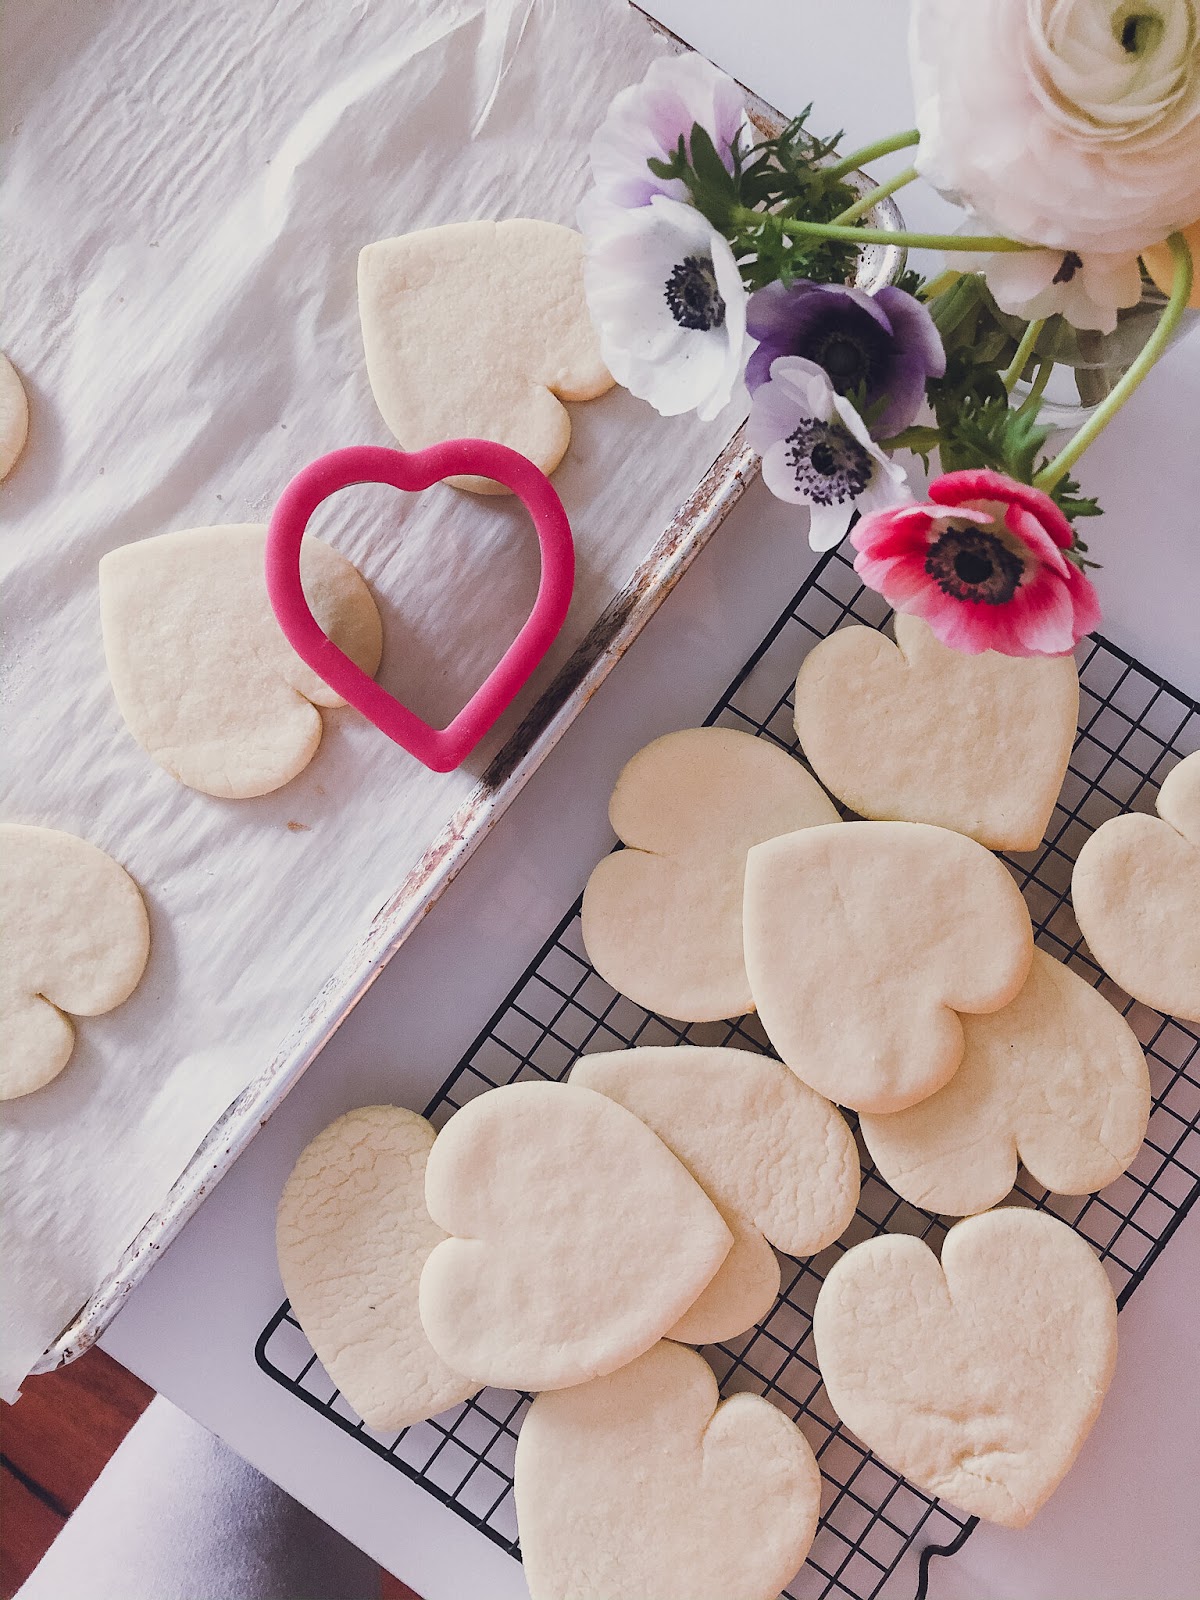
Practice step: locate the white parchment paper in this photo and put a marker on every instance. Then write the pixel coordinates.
(186, 188)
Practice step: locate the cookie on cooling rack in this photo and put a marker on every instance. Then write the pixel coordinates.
(662, 919)
(863, 942)
(978, 1377)
(640, 1484)
(352, 1235)
(916, 732)
(1136, 892)
(576, 1237)
(1055, 1079)
(777, 1160)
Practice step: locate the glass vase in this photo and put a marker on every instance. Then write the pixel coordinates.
(1088, 365)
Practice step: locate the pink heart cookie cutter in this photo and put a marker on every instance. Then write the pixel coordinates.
(442, 749)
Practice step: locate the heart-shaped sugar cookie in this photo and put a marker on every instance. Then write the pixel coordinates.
(662, 919)
(1056, 1078)
(352, 1234)
(978, 1378)
(204, 678)
(640, 1486)
(577, 1237)
(916, 732)
(776, 1159)
(74, 937)
(14, 416)
(864, 940)
(1136, 892)
(480, 330)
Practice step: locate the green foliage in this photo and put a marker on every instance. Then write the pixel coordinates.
(1072, 504)
(793, 176)
(989, 433)
(771, 182)
(1066, 496)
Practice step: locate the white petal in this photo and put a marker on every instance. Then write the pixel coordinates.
(856, 427)
(807, 385)
(827, 525)
(779, 475)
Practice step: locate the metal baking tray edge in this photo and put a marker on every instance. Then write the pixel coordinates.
(689, 530)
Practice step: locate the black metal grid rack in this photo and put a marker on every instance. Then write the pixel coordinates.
(1133, 728)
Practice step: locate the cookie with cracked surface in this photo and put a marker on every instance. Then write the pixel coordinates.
(352, 1234)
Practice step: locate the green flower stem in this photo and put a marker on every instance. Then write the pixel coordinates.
(1037, 389)
(1181, 289)
(746, 216)
(871, 199)
(1024, 350)
(872, 152)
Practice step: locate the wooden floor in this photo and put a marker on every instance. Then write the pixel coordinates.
(54, 1443)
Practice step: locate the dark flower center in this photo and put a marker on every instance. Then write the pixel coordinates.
(1071, 264)
(968, 563)
(845, 358)
(828, 462)
(693, 297)
(1139, 32)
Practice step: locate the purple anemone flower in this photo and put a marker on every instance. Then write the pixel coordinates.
(885, 344)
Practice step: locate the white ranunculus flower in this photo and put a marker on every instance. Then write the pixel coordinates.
(1069, 123)
(816, 451)
(668, 304)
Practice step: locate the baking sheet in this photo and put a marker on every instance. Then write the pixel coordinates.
(185, 193)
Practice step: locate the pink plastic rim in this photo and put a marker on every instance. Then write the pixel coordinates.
(442, 749)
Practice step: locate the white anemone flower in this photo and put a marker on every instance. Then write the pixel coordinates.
(647, 120)
(1088, 290)
(816, 451)
(668, 304)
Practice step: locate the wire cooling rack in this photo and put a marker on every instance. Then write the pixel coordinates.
(1133, 728)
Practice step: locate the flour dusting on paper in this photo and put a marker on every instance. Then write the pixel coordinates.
(186, 191)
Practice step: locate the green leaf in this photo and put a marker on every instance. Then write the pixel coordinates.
(921, 440)
(676, 167)
(1066, 495)
(710, 170)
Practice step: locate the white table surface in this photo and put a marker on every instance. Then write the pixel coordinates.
(1122, 1527)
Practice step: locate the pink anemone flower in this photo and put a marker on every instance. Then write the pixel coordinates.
(982, 561)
